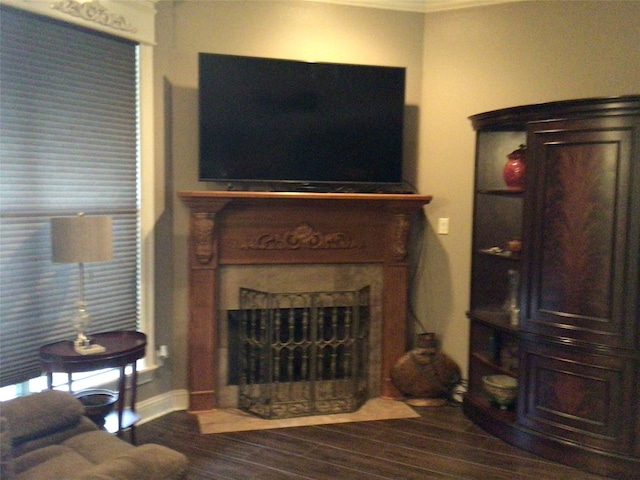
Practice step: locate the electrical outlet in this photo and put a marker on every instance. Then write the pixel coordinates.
(443, 226)
(163, 351)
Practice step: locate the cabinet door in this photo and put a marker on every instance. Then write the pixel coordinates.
(581, 271)
(577, 395)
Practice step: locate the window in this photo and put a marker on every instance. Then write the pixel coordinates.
(68, 144)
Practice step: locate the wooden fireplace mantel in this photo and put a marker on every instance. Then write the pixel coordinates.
(284, 228)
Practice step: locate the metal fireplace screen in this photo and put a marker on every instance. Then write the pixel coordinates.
(303, 353)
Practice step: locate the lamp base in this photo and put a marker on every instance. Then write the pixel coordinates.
(89, 349)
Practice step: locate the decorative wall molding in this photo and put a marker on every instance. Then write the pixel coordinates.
(93, 11)
(419, 6)
(401, 236)
(203, 225)
(302, 237)
(133, 20)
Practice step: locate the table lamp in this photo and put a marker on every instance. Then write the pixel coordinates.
(82, 239)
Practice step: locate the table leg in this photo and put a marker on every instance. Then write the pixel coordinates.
(134, 387)
(121, 397)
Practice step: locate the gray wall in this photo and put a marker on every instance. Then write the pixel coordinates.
(486, 58)
(459, 63)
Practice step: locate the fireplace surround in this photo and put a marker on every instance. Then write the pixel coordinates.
(280, 229)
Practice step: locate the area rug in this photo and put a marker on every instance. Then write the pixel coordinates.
(234, 420)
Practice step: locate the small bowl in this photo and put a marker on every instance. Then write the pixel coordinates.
(501, 390)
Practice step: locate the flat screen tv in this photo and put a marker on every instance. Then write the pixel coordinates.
(299, 124)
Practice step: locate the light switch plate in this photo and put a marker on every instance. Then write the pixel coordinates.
(443, 226)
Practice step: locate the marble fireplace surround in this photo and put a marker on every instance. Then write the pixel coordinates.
(349, 240)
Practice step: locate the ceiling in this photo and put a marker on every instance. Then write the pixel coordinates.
(416, 5)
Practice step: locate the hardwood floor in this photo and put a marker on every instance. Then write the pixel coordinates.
(441, 444)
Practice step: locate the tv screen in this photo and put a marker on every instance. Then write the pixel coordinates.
(297, 123)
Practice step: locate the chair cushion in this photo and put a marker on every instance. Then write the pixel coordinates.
(98, 447)
(36, 415)
(145, 462)
(6, 454)
(51, 462)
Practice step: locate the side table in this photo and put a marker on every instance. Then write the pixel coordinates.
(122, 348)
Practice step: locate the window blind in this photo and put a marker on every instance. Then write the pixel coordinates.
(68, 144)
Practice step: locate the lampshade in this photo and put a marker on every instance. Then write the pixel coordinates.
(81, 239)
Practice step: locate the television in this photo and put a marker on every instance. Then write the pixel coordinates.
(285, 124)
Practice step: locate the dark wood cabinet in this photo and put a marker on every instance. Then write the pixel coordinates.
(573, 342)
(582, 273)
(578, 394)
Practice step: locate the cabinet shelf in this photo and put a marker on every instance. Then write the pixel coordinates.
(503, 255)
(502, 423)
(506, 192)
(489, 363)
(483, 402)
(493, 316)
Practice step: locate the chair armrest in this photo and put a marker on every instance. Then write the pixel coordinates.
(41, 414)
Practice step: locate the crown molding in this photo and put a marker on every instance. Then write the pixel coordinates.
(419, 6)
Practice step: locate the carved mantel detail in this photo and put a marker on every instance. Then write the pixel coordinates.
(204, 247)
(93, 11)
(401, 236)
(304, 236)
(231, 228)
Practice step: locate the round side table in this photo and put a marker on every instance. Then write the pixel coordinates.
(121, 349)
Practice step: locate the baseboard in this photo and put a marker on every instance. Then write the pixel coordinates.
(160, 405)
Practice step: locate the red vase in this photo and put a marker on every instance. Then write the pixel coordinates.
(513, 172)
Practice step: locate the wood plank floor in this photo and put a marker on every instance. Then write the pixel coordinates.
(441, 444)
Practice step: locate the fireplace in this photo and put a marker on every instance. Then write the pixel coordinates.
(345, 240)
(302, 353)
(294, 279)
